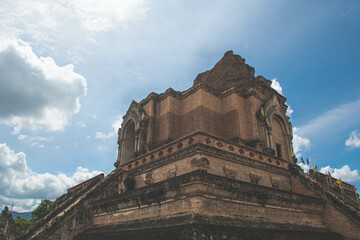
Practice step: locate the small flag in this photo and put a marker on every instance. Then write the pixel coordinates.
(292, 154)
(315, 168)
(328, 176)
(339, 183)
(307, 161)
(302, 160)
(355, 188)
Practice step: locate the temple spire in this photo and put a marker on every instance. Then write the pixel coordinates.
(229, 71)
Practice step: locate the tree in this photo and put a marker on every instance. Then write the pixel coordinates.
(22, 225)
(44, 208)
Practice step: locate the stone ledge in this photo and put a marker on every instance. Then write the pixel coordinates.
(217, 226)
(157, 192)
(207, 140)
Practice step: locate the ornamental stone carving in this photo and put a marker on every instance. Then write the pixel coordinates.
(132, 134)
(275, 128)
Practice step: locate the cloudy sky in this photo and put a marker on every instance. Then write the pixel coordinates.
(70, 69)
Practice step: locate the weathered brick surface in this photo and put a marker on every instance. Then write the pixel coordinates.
(338, 222)
(298, 187)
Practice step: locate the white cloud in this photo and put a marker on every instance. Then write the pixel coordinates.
(300, 143)
(36, 93)
(20, 183)
(305, 167)
(344, 173)
(37, 144)
(354, 140)
(100, 16)
(42, 139)
(334, 121)
(22, 137)
(36, 140)
(100, 135)
(115, 125)
(80, 124)
(83, 174)
(44, 20)
(289, 110)
(276, 85)
(326, 169)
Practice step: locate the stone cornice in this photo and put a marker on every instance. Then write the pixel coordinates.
(257, 89)
(205, 142)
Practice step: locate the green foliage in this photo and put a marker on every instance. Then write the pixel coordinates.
(22, 225)
(44, 208)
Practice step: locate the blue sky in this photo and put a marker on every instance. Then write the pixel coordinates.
(70, 69)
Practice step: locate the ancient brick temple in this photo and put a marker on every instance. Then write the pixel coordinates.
(212, 162)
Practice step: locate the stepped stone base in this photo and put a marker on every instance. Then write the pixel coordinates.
(197, 227)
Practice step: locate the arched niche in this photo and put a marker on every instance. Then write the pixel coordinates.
(128, 146)
(275, 129)
(132, 134)
(279, 137)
